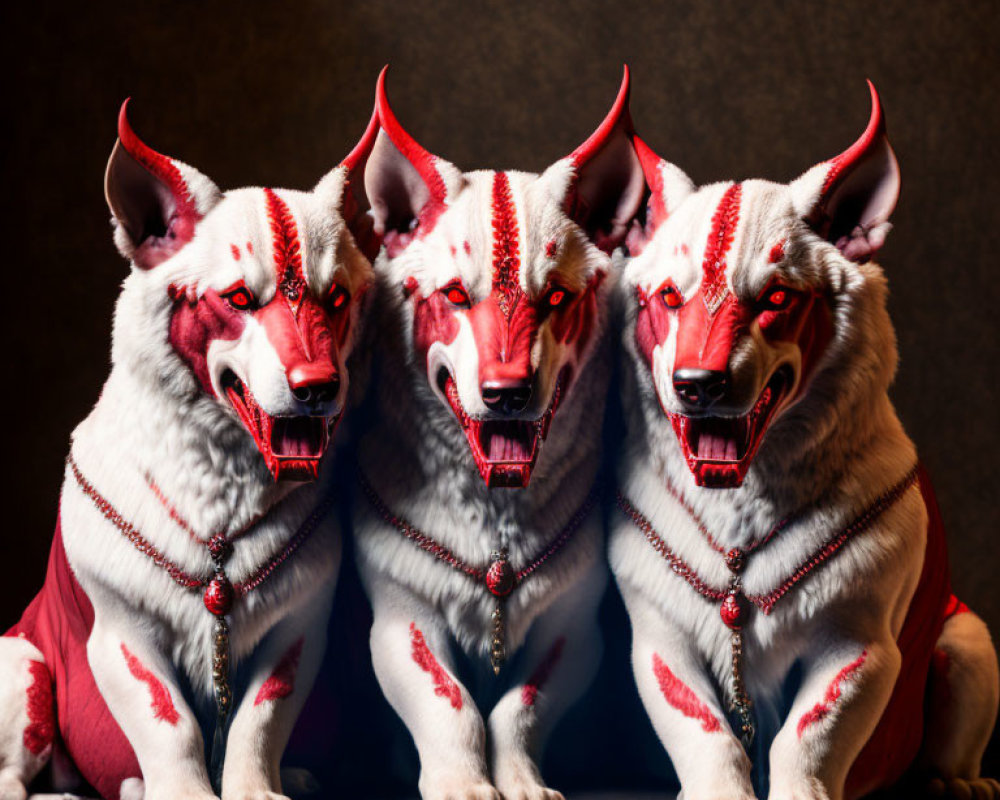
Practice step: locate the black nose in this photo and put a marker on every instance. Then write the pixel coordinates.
(313, 394)
(700, 389)
(506, 397)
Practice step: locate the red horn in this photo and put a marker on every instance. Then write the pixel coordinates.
(422, 161)
(873, 136)
(364, 147)
(619, 114)
(159, 165)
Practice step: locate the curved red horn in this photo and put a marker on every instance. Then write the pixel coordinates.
(872, 138)
(159, 165)
(619, 114)
(421, 159)
(364, 147)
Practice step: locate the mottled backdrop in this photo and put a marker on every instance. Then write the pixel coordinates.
(276, 93)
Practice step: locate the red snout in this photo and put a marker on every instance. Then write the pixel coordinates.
(504, 347)
(306, 342)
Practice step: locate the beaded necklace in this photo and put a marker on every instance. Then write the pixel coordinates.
(219, 593)
(498, 577)
(736, 605)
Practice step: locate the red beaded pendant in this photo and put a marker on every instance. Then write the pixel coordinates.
(219, 595)
(735, 609)
(500, 577)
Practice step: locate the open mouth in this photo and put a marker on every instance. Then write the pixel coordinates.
(292, 446)
(719, 450)
(505, 450)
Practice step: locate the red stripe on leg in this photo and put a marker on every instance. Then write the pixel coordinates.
(542, 673)
(833, 691)
(160, 700)
(41, 715)
(680, 696)
(282, 680)
(444, 685)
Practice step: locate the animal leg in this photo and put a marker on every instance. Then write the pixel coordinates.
(963, 690)
(410, 654)
(560, 659)
(27, 716)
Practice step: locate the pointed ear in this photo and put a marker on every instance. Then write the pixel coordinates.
(606, 189)
(156, 201)
(407, 186)
(669, 186)
(344, 188)
(848, 200)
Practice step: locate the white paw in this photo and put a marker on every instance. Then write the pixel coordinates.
(450, 788)
(529, 791)
(11, 788)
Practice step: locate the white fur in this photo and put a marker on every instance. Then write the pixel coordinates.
(831, 453)
(153, 419)
(419, 462)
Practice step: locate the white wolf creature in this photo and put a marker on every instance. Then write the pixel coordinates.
(779, 550)
(191, 575)
(478, 538)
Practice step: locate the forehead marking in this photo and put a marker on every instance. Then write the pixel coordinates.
(506, 254)
(235, 251)
(720, 239)
(777, 252)
(287, 253)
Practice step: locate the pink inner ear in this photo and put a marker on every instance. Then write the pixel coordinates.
(859, 192)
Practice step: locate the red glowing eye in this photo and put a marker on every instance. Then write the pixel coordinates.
(240, 298)
(339, 296)
(457, 295)
(776, 298)
(557, 296)
(671, 296)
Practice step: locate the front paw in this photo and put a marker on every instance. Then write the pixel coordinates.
(448, 787)
(961, 789)
(524, 790)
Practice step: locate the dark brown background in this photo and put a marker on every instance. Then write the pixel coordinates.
(278, 93)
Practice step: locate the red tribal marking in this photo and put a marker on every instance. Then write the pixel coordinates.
(235, 251)
(287, 253)
(542, 673)
(825, 706)
(506, 255)
(444, 685)
(282, 680)
(41, 717)
(250, 248)
(777, 252)
(160, 699)
(677, 693)
(720, 239)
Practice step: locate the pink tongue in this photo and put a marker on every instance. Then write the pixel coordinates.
(713, 446)
(511, 443)
(297, 436)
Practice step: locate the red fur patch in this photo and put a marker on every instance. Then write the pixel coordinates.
(282, 680)
(542, 673)
(777, 253)
(685, 250)
(720, 239)
(444, 685)
(41, 713)
(287, 251)
(196, 323)
(551, 248)
(506, 253)
(680, 696)
(235, 251)
(822, 709)
(467, 247)
(250, 248)
(954, 606)
(160, 700)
